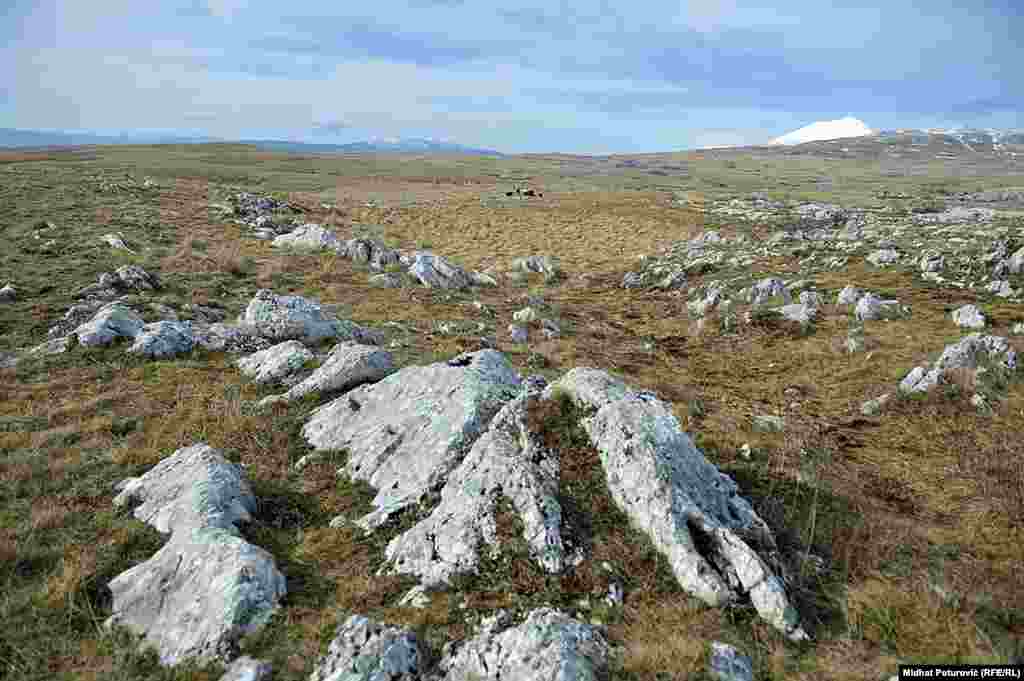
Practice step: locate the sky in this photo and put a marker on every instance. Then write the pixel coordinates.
(517, 76)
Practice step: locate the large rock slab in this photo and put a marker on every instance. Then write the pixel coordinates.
(218, 337)
(194, 486)
(200, 593)
(111, 322)
(433, 271)
(547, 646)
(366, 650)
(407, 432)
(692, 512)
(348, 365)
(276, 363)
(308, 237)
(283, 318)
(968, 353)
(206, 587)
(507, 461)
(164, 339)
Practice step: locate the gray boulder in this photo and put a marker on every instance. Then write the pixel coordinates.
(849, 296)
(518, 333)
(547, 646)
(799, 312)
(246, 668)
(164, 339)
(407, 432)
(206, 587)
(729, 664)
(767, 289)
(275, 364)
(109, 323)
(883, 257)
(969, 353)
(8, 293)
(308, 237)
(692, 512)
(870, 307)
(201, 592)
(348, 365)
(116, 241)
(506, 461)
(433, 271)
(373, 252)
(235, 339)
(365, 650)
(283, 318)
(969, 316)
(540, 264)
(932, 261)
(195, 486)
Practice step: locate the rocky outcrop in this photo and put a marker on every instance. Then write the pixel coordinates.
(207, 586)
(693, 513)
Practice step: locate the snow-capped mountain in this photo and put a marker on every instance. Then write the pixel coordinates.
(825, 130)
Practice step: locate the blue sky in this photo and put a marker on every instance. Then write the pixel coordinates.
(580, 76)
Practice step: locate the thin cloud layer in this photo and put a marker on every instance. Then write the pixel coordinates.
(585, 76)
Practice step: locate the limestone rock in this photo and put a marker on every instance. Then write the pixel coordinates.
(870, 307)
(970, 352)
(109, 323)
(547, 646)
(201, 592)
(883, 257)
(433, 271)
(365, 650)
(766, 289)
(969, 316)
(373, 252)
(348, 365)
(194, 486)
(405, 433)
(246, 668)
(507, 461)
(308, 237)
(692, 512)
(276, 363)
(540, 264)
(729, 664)
(243, 338)
(849, 296)
(116, 241)
(283, 318)
(164, 339)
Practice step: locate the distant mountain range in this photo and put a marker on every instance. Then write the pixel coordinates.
(11, 137)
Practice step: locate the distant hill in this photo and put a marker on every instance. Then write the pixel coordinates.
(13, 137)
(401, 146)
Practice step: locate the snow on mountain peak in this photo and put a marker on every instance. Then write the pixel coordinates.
(826, 130)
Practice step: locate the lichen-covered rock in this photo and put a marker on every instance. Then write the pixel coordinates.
(729, 664)
(547, 646)
(109, 323)
(246, 668)
(767, 289)
(308, 237)
(217, 337)
(969, 317)
(283, 318)
(405, 433)
(348, 365)
(194, 486)
(692, 512)
(198, 595)
(365, 650)
(870, 307)
(968, 353)
(849, 296)
(276, 363)
(164, 339)
(433, 271)
(507, 461)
